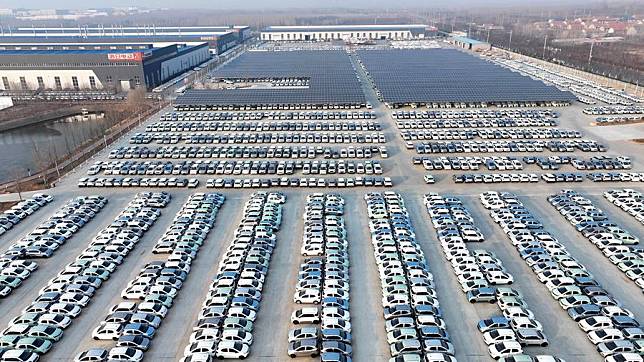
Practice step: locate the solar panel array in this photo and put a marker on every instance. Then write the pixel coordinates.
(450, 76)
(332, 80)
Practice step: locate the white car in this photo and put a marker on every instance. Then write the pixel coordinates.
(604, 335)
(337, 323)
(125, 354)
(514, 312)
(135, 292)
(207, 334)
(499, 335)
(504, 349)
(499, 277)
(237, 335)
(594, 323)
(525, 322)
(108, 331)
(306, 315)
(625, 357)
(58, 320)
(307, 296)
(232, 349)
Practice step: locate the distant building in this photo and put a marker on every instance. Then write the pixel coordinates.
(219, 38)
(345, 32)
(100, 67)
(5, 102)
(469, 44)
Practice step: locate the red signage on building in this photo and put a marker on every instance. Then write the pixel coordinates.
(125, 57)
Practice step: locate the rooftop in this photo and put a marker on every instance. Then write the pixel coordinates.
(365, 27)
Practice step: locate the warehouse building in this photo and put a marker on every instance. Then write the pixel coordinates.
(470, 44)
(219, 38)
(100, 67)
(344, 32)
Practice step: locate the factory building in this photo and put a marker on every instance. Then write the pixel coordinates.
(469, 44)
(219, 38)
(345, 32)
(101, 66)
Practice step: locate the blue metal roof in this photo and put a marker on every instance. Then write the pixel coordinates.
(73, 51)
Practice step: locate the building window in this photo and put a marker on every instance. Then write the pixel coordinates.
(5, 83)
(108, 79)
(59, 85)
(92, 82)
(23, 83)
(41, 83)
(75, 83)
(137, 80)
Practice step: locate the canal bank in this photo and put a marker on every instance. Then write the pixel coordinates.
(54, 165)
(9, 122)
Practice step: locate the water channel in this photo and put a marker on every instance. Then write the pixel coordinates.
(25, 149)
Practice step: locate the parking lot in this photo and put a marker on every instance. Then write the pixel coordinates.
(272, 323)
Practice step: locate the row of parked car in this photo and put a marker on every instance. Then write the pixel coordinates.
(332, 182)
(266, 107)
(606, 121)
(252, 116)
(619, 245)
(134, 323)
(137, 182)
(610, 110)
(484, 279)
(628, 200)
(547, 177)
(44, 240)
(593, 163)
(616, 176)
(323, 284)
(261, 126)
(476, 123)
(226, 321)
(52, 233)
(476, 114)
(272, 151)
(489, 133)
(191, 225)
(578, 85)
(413, 319)
(611, 327)
(584, 145)
(41, 323)
(235, 167)
(502, 163)
(591, 92)
(495, 177)
(18, 212)
(263, 137)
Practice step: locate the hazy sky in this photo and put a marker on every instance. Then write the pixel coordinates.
(250, 4)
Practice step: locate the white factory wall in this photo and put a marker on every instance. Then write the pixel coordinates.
(49, 78)
(181, 63)
(334, 35)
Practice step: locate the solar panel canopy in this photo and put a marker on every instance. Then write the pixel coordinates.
(449, 76)
(332, 80)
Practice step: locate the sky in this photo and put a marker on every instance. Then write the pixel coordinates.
(257, 4)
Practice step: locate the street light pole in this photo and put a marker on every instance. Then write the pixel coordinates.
(590, 54)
